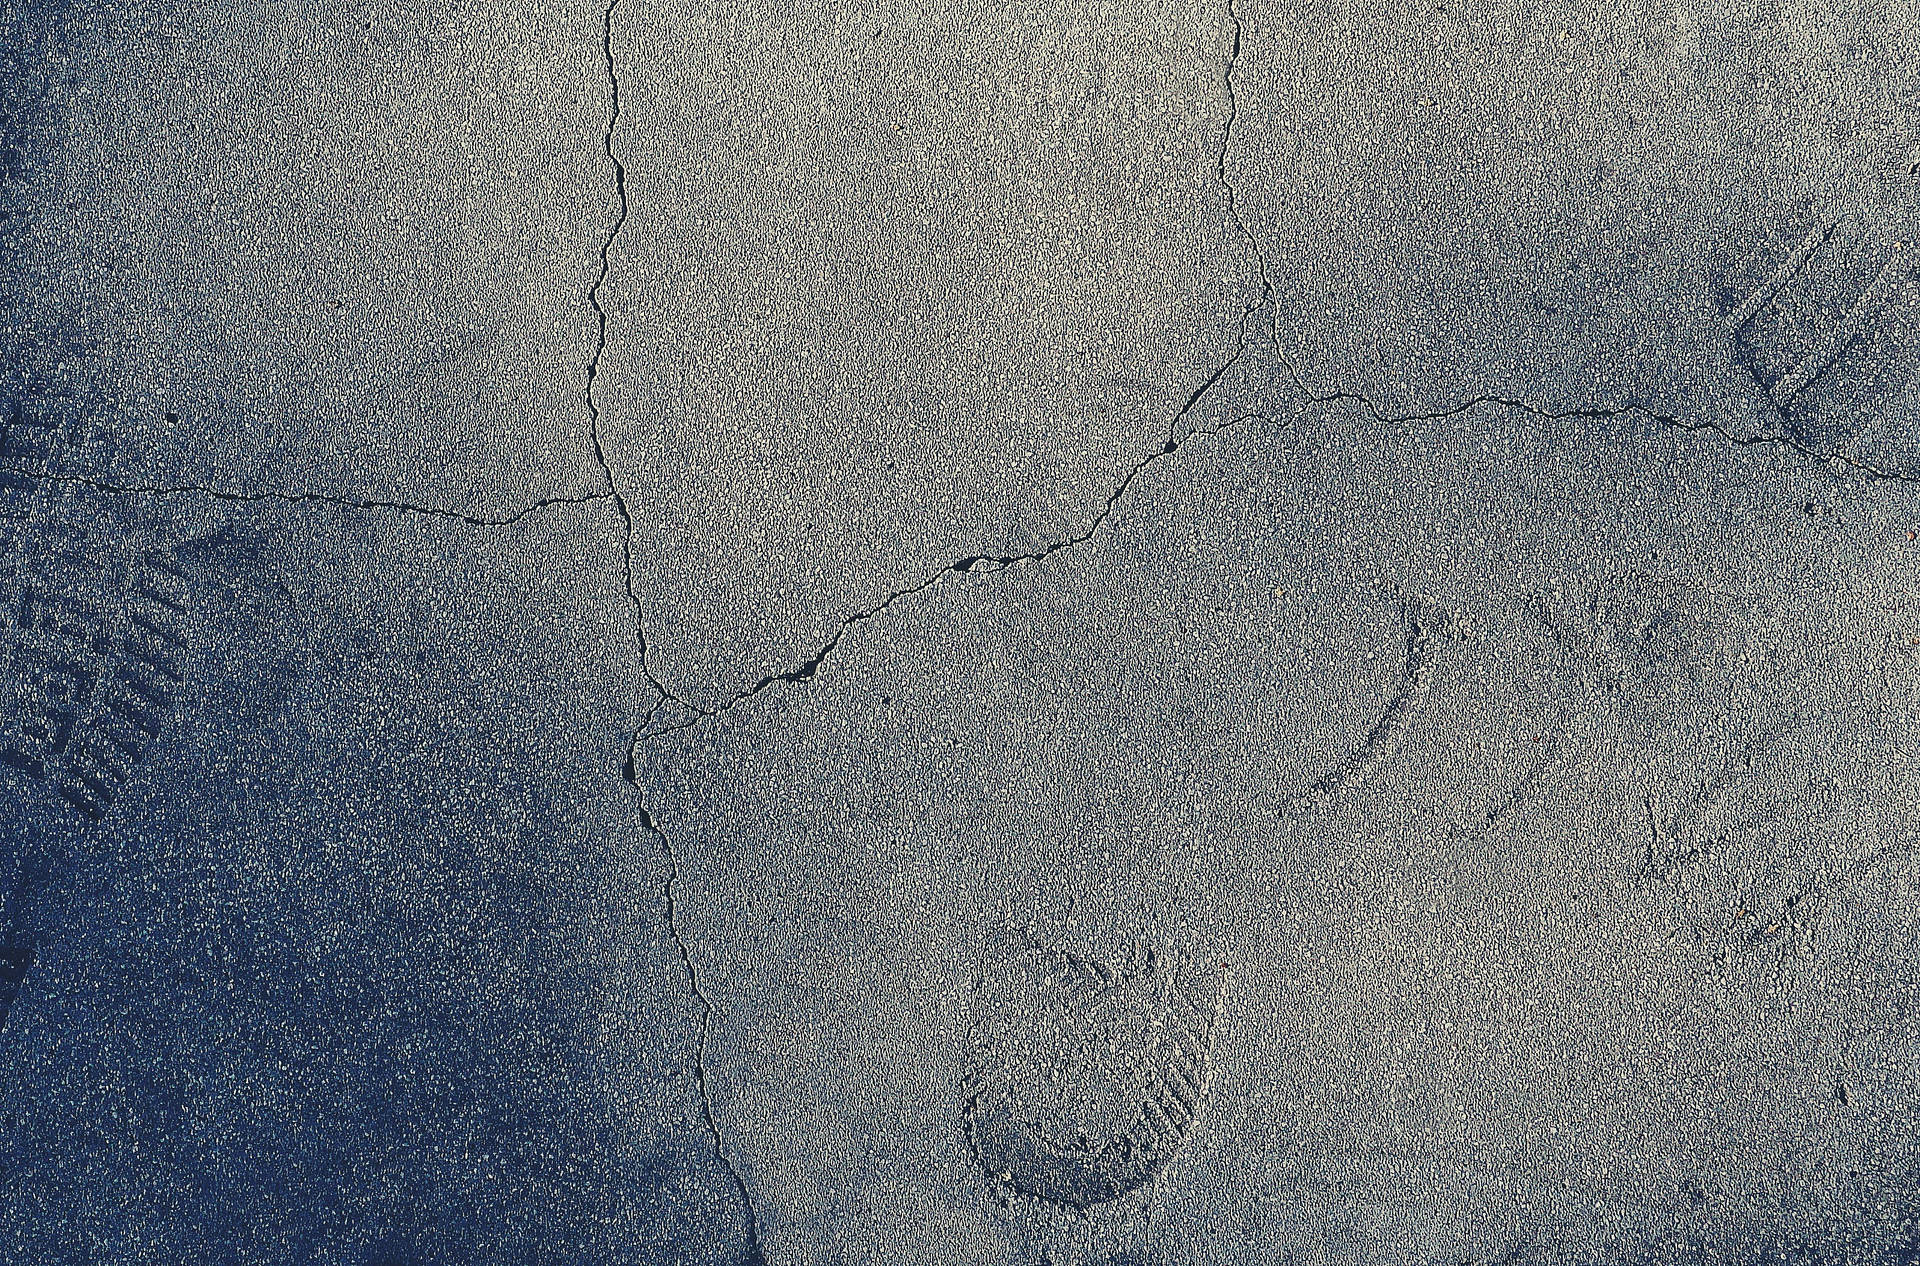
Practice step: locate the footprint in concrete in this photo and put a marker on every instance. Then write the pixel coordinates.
(1824, 311)
(103, 610)
(1088, 1075)
(1645, 633)
(93, 619)
(1090, 1072)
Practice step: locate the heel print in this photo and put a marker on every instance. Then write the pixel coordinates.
(1088, 1077)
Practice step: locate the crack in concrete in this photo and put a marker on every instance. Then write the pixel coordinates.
(1220, 168)
(1233, 212)
(1597, 413)
(973, 565)
(614, 492)
(1419, 652)
(1786, 439)
(670, 895)
(295, 498)
(982, 563)
(806, 670)
(756, 1256)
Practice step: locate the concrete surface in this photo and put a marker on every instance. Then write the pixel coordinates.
(1274, 631)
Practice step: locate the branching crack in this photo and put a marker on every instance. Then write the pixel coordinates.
(1220, 165)
(662, 695)
(755, 1256)
(982, 563)
(978, 564)
(1267, 297)
(691, 714)
(972, 565)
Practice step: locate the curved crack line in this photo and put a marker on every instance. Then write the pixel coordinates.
(980, 564)
(1267, 297)
(756, 1257)
(662, 695)
(606, 246)
(295, 498)
(972, 565)
(987, 563)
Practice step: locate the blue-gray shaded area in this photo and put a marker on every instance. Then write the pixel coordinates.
(1202, 632)
(307, 894)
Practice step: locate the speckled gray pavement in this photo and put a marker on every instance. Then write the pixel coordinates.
(1002, 634)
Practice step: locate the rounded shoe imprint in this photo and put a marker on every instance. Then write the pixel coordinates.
(1088, 1075)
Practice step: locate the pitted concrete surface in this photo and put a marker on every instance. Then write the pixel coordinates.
(1273, 631)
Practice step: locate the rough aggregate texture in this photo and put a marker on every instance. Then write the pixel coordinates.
(1223, 632)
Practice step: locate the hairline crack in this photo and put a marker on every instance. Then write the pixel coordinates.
(228, 496)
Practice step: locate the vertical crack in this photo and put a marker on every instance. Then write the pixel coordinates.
(606, 258)
(613, 493)
(1220, 164)
(662, 695)
(755, 1257)
(1266, 299)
